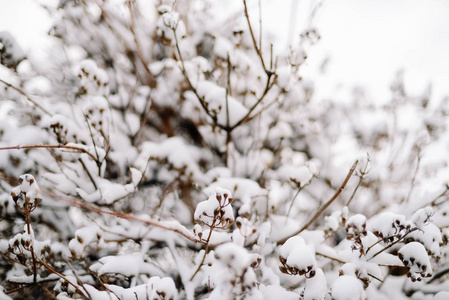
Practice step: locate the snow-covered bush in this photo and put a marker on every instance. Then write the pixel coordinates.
(166, 150)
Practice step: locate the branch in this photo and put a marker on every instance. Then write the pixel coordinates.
(79, 149)
(392, 244)
(186, 77)
(258, 50)
(24, 94)
(94, 208)
(326, 205)
(61, 275)
(152, 83)
(361, 177)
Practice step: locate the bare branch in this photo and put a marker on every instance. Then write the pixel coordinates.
(26, 96)
(79, 149)
(326, 205)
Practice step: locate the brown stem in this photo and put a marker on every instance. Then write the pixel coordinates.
(205, 250)
(88, 173)
(361, 177)
(28, 221)
(151, 79)
(392, 244)
(186, 77)
(326, 205)
(18, 147)
(412, 184)
(246, 118)
(62, 276)
(28, 98)
(434, 201)
(126, 216)
(258, 50)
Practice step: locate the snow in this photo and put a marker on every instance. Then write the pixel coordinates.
(298, 256)
(216, 210)
(415, 258)
(275, 292)
(347, 288)
(3, 296)
(316, 287)
(11, 53)
(430, 236)
(441, 295)
(173, 163)
(222, 106)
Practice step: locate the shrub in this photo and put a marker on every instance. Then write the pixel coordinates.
(164, 151)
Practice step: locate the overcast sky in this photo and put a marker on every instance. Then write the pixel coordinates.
(366, 40)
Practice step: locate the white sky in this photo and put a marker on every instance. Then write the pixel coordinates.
(366, 40)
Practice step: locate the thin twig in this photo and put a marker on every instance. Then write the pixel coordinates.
(412, 184)
(205, 250)
(434, 201)
(326, 205)
(293, 201)
(228, 90)
(151, 78)
(96, 209)
(392, 244)
(258, 51)
(79, 149)
(343, 262)
(26, 96)
(28, 221)
(246, 118)
(62, 276)
(88, 173)
(361, 177)
(186, 77)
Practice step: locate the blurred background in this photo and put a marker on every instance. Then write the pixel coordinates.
(363, 42)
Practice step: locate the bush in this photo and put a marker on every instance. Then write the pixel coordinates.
(164, 152)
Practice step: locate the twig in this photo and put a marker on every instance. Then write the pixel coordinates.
(28, 221)
(205, 250)
(228, 90)
(326, 205)
(88, 173)
(246, 118)
(361, 177)
(412, 184)
(62, 276)
(194, 90)
(151, 78)
(24, 94)
(19, 147)
(392, 244)
(343, 262)
(258, 50)
(434, 201)
(126, 216)
(97, 160)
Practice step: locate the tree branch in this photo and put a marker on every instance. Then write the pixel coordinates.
(326, 205)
